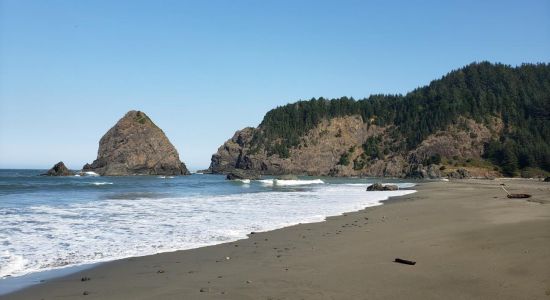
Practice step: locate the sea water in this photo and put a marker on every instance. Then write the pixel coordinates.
(51, 223)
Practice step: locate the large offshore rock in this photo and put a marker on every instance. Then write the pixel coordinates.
(136, 146)
(59, 169)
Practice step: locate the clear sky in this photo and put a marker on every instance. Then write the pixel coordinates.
(204, 69)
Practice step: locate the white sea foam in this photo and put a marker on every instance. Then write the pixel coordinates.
(11, 263)
(404, 185)
(297, 182)
(245, 181)
(101, 183)
(54, 236)
(90, 173)
(282, 182)
(266, 181)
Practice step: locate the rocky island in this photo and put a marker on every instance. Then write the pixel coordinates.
(136, 146)
(483, 120)
(59, 169)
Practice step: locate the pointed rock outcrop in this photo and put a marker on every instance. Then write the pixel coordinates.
(59, 169)
(136, 146)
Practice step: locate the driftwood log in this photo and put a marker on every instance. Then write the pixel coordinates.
(518, 196)
(514, 196)
(405, 261)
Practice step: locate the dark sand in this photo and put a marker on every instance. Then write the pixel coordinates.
(469, 241)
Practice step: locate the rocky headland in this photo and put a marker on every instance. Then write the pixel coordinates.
(473, 122)
(334, 148)
(136, 146)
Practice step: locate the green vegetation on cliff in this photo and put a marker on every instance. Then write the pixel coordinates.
(519, 96)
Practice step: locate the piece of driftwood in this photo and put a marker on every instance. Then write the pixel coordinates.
(518, 196)
(514, 196)
(405, 261)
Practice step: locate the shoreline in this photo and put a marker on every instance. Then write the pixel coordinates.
(468, 238)
(17, 283)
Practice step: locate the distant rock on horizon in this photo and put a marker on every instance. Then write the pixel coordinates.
(136, 146)
(59, 169)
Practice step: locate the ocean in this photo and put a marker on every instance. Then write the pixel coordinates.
(64, 223)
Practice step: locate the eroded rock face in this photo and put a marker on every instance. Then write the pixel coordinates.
(317, 155)
(136, 146)
(59, 169)
(459, 174)
(419, 171)
(321, 149)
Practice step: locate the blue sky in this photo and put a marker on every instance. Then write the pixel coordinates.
(204, 69)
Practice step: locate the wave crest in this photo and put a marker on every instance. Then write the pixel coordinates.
(282, 182)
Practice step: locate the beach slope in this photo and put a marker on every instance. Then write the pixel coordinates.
(468, 240)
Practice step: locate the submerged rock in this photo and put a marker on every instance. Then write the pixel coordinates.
(242, 174)
(382, 187)
(136, 146)
(59, 169)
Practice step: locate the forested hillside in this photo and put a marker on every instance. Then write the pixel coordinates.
(519, 96)
(491, 118)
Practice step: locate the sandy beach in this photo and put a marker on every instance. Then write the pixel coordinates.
(468, 239)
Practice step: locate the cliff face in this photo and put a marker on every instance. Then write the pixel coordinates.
(318, 154)
(136, 146)
(344, 147)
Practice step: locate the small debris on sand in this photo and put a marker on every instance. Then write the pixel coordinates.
(518, 196)
(405, 261)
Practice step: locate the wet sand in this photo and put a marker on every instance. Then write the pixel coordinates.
(468, 239)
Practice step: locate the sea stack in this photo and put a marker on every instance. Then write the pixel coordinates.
(59, 169)
(136, 146)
